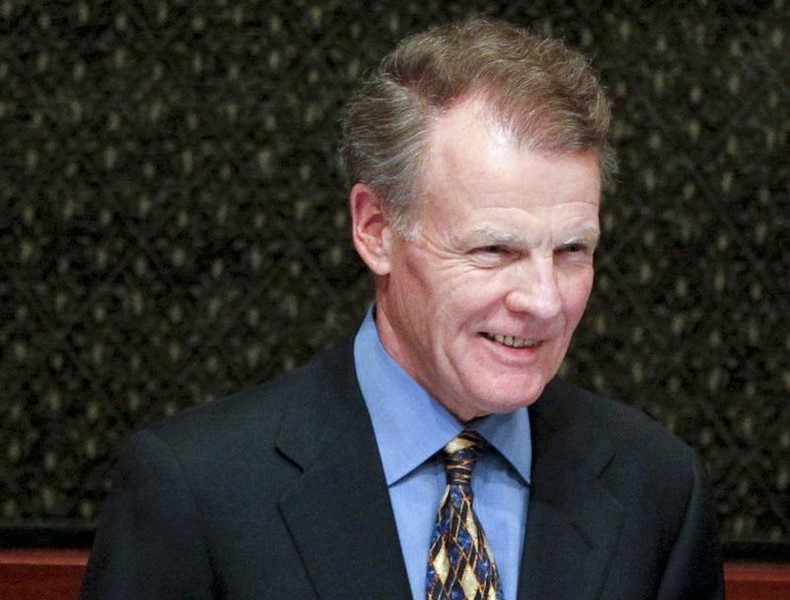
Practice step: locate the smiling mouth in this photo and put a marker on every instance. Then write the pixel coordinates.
(511, 341)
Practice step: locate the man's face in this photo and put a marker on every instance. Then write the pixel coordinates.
(480, 304)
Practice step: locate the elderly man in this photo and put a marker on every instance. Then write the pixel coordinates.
(435, 455)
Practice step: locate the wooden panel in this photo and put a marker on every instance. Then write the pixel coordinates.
(42, 574)
(751, 581)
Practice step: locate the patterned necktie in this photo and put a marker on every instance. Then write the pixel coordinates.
(460, 563)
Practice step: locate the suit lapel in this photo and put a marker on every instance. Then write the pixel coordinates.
(339, 512)
(573, 521)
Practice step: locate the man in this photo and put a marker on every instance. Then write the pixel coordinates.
(477, 154)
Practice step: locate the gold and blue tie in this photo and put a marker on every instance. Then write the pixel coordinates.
(460, 563)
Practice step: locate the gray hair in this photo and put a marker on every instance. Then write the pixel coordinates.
(547, 95)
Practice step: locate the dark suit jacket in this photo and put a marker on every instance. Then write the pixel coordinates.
(278, 492)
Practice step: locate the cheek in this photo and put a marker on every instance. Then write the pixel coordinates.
(435, 285)
(576, 293)
(468, 295)
(416, 289)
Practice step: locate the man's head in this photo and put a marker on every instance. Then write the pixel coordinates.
(476, 208)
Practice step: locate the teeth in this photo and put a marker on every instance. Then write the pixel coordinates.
(511, 341)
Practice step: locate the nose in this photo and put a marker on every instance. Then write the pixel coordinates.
(533, 289)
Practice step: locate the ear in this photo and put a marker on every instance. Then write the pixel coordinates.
(371, 230)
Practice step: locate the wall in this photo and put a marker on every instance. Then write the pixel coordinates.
(173, 225)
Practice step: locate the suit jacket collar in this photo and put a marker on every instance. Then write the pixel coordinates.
(574, 521)
(339, 511)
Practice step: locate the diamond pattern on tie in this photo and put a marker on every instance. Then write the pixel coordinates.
(460, 563)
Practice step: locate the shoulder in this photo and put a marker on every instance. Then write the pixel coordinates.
(656, 481)
(567, 406)
(620, 444)
(251, 417)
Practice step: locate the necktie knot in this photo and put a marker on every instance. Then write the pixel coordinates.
(460, 457)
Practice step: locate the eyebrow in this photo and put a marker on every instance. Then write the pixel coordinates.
(491, 236)
(590, 235)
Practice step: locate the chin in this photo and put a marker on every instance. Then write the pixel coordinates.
(523, 396)
(508, 404)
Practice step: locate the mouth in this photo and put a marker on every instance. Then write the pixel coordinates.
(511, 341)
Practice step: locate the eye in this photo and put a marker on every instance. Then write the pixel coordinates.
(492, 255)
(574, 247)
(493, 249)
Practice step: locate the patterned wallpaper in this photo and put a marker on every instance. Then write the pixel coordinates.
(173, 223)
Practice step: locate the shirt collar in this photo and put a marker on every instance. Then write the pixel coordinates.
(411, 426)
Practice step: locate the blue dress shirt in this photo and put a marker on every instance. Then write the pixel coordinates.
(410, 428)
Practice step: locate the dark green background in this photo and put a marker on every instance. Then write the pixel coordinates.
(173, 224)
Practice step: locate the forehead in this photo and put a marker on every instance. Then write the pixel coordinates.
(472, 157)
